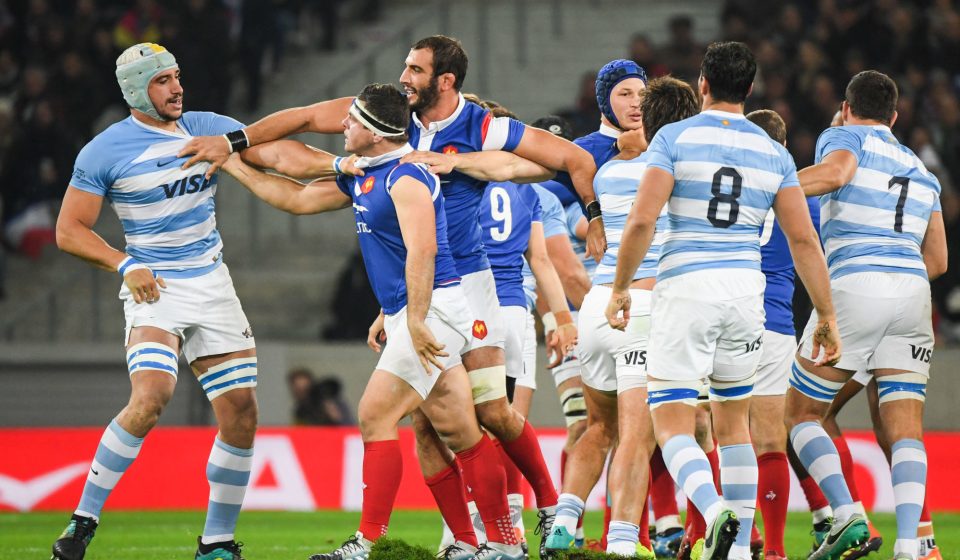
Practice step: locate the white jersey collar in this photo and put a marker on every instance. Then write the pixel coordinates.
(364, 162)
(609, 131)
(180, 133)
(723, 114)
(437, 126)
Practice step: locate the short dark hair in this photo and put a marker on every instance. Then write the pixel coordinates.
(771, 122)
(873, 96)
(448, 56)
(666, 100)
(387, 105)
(729, 68)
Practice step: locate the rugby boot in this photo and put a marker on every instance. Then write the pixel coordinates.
(354, 548)
(820, 531)
(557, 539)
(842, 539)
(720, 536)
(499, 551)
(218, 551)
(929, 549)
(667, 543)
(459, 550)
(73, 542)
(545, 529)
(645, 553)
(873, 544)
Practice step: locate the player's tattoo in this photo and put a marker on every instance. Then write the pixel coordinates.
(823, 330)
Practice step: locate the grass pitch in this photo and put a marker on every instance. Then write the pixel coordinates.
(295, 536)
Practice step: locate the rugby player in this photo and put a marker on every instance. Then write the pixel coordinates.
(401, 224)
(443, 121)
(883, 233)
(707, 309)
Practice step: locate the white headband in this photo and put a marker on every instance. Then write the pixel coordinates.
(374, 125)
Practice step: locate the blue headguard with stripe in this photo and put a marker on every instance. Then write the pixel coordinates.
(609, 76)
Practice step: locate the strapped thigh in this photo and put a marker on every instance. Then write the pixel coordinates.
(573, 405)
(229, 375)
(902, 386)
(152, 356)
(813, 386)
(668, 392)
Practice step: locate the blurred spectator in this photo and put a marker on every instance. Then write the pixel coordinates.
(353, 305)
(317, 402)
(645, 54)
(682, 53)
(584, 117)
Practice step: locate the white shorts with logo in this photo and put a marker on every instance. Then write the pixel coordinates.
(707, 323)
(776, 359)
(885, 322)
(481, 296)
(450, 321)
(529, 378)
(203, 311)
(613, 360)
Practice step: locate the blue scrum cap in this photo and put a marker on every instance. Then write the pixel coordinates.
(609, 76)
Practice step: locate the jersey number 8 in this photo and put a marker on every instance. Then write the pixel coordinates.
(736, 185)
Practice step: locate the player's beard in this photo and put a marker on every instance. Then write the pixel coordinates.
(426, 97)
(168, 116)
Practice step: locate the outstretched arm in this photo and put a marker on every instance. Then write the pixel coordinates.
(836, 170)
(325, 117)
(287, 194)
(485, 166)
(556, 153)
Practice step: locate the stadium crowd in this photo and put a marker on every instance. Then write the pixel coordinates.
(57, 84)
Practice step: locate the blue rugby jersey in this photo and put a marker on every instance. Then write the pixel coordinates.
(876, 222)
(554, 223)
(776, 262)
(167, 213)
(727, 172)
(602, 145)
(470, 128)
(616, 185)
(381, 242)
(506, 214)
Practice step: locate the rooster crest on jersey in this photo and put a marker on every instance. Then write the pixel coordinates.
(609, 76)
(136, 66)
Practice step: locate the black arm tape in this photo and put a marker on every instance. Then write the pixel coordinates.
(238, 140)
(593, 211)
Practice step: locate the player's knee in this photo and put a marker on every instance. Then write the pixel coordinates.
(499, 417)
(147, 407)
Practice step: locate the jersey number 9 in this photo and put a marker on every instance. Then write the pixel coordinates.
(500, 211)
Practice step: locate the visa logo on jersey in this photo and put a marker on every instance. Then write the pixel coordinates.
(187, 185)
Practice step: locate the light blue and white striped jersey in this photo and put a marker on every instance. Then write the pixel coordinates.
(167, 213)
(727, 172)
(573, 214)
(554, 223)
(876, 222)
(616, 185)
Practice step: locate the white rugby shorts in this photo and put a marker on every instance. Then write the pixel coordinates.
(613, 360)
(514, 320)
(529, 378)
(450, 321)
(776, 359)
(707, 323)
(203, 311)
(885, 322)
(481, 297)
